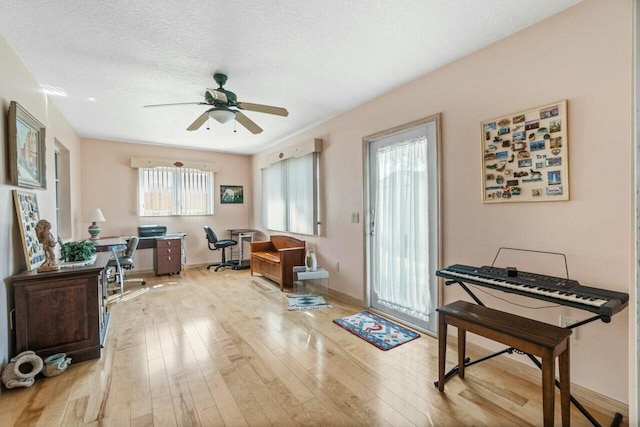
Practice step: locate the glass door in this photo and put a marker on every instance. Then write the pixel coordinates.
(402, 223)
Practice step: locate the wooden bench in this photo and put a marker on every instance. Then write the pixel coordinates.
(529, 336)
(276, 258)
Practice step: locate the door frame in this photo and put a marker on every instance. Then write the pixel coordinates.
(437, 120)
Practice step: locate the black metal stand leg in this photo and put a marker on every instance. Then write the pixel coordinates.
(468, 362)
(617, 418)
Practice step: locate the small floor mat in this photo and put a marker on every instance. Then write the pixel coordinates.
(378, 331)
(306, 302)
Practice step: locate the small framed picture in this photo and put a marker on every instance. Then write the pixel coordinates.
(231, 194)
(27, 157)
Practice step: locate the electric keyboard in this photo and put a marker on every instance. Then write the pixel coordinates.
(548, 288)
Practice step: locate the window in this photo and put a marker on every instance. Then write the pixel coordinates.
(56, 162)
(290, 195)
(165, 191)
(63, 191)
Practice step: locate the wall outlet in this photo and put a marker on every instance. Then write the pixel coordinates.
(336, 266)
(568, 321)
(355, 217)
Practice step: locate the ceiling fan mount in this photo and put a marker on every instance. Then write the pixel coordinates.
(220, 78)
(225, 103)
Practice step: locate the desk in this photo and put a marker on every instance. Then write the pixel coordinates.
(163, 258)
(242, 235)
(104, 245)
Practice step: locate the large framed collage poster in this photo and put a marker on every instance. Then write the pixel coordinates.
(525, 156)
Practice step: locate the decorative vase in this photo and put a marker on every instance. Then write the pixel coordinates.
(56, 364)
(310, 261)
(21, 370)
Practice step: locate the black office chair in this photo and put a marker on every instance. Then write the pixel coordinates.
(125, 262)
(215, 244)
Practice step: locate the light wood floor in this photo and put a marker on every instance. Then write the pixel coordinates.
(214, 349)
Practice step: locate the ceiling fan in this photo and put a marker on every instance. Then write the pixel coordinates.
(225, 107)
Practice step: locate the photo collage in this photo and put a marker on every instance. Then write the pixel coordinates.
(525, 156)
(27, 211)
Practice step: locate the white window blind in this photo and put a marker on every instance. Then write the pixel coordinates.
(290, 195)
(165, 191)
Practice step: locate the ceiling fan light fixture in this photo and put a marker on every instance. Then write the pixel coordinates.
(222, 116)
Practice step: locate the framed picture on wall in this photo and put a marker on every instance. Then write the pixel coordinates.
(231, 194)
(28, 216)
(525, 156)
(27, 161)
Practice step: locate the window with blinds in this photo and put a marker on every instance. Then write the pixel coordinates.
(166, 191)
(290, 195)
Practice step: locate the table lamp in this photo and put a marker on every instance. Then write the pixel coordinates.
(94, 229)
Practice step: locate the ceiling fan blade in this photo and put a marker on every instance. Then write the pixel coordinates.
(217, 95)
(248, 123)
(178, 103)
(263, 109)
(199, 121)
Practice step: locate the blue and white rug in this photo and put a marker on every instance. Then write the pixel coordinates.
(305, 302)
(378, 331)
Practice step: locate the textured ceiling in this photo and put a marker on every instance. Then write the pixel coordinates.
(317, 59)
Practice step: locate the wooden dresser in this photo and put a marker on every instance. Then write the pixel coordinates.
(62, 311)
(168, 256)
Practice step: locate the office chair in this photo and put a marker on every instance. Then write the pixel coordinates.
(212, 239)
(125, 262)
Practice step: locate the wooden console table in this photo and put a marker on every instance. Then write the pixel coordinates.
(62, 311)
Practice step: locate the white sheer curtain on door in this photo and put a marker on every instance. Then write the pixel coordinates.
(401, 235)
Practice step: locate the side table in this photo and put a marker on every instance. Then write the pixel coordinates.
(310, 282)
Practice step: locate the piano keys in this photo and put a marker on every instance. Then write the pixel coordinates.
(561, 291)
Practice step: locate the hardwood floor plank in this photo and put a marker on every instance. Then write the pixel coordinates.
(221, 349)
(230, 412)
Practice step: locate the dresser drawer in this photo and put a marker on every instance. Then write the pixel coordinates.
(168, 256)
(168, 251)
(168, 243)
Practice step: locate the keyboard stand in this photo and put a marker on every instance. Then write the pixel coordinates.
(617, 418)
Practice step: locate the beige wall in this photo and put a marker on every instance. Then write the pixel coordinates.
(583, 55)
(109, 183)
(17, 84)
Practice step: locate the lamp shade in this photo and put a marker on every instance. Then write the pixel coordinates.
(222, 116)
(96, 216)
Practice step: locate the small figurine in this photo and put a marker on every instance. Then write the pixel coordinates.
(48, 242)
